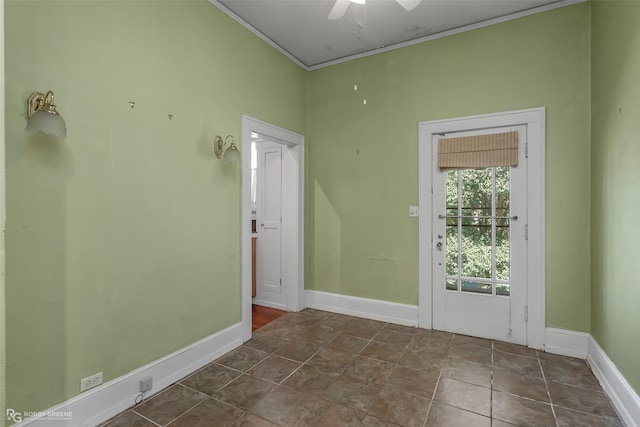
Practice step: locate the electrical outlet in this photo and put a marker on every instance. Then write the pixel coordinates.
(90, 382)
(145, 384)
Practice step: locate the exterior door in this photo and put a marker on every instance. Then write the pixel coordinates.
(479, 270)
(269, 290)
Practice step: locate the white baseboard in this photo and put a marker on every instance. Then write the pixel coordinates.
(567, 343)
(385, 311)
(105, 401)
(584, 346)
(269, 304)
(624, 398)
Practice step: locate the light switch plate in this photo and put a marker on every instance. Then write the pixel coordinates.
(414, 211)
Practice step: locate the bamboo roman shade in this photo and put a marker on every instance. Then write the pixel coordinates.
(479, 151)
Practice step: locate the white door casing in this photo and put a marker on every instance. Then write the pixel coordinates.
(292, 216)
(533, 121)
(269, 284)
(465, 311)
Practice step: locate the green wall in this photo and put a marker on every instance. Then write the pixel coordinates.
(123, 243)
(615, 183)
(362, 160)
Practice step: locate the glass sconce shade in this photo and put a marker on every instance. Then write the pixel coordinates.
(232, 155)
(43, 121)
(43, 116)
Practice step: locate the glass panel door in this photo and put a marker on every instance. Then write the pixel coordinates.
(479, 248)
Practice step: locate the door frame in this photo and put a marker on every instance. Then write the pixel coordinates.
(293, 217)
(534, 120)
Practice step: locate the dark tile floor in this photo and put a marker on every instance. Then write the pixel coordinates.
(315, 368)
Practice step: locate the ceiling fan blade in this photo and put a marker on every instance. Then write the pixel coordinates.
(409, 4)
(339, 9)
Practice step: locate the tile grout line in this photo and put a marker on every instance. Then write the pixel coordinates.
(546, 386)
(491, 384)
(212, 397)
(176, 418)
(358, 354)
(140, 415)
(395, 365)
(286, 378)
(433, 395)
(284, 341)
(246, 372)
(199, 392)
(299, 367)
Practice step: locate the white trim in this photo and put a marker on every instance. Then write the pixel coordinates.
(624, 398)
(260, 35)
(535, 120)
(374, 309)
(584, 346)
(425, 207)
(103, 402)
(470, 27)
(293, 230)
(269, 304)
(566, 343)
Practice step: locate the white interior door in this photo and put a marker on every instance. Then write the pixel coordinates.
(479, 270)
(269, 289)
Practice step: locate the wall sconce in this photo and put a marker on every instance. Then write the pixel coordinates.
(43, 116)
(231, 155)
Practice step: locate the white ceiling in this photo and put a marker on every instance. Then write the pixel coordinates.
(301, 29)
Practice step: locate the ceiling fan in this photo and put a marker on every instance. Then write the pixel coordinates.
(341, 6)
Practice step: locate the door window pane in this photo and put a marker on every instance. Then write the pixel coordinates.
(452, 191)
(502, 253)
(502, 225)
(476, 251)
(476, 191)
(502, 191)
(503, 289)
(476, 187)
(452, 285)
(476, 287)
(452, 250)
(452, 224)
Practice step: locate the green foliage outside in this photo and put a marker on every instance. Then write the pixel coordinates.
(474, 201)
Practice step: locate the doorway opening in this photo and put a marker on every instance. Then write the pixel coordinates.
(261, 315)
(272, 219)
(481, 268)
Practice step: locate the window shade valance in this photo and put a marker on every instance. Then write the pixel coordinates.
(479, 151)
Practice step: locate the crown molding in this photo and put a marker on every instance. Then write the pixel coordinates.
(435, 36)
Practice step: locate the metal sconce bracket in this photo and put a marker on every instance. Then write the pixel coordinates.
(35, 102)
(218, 145)
(38, 100)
